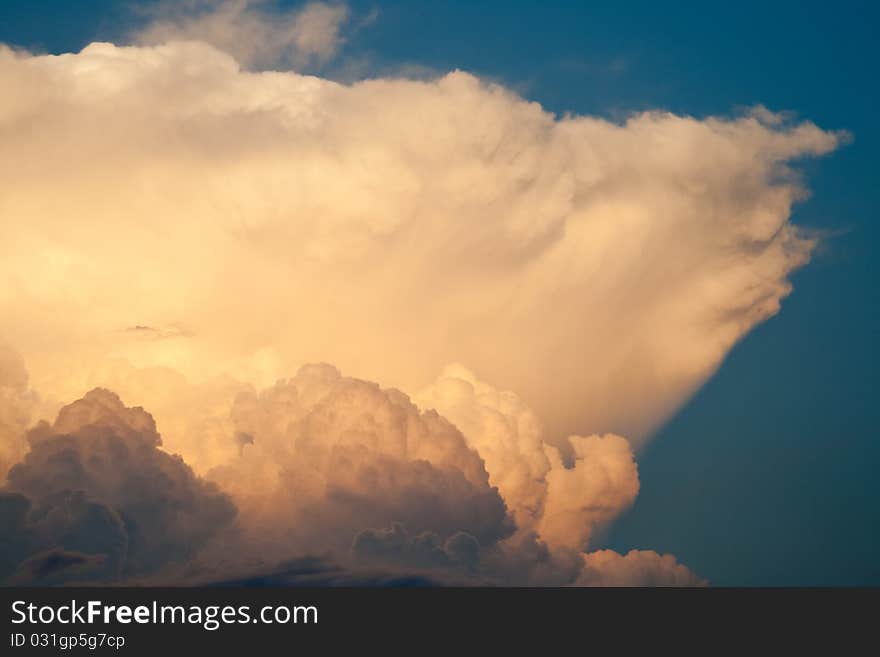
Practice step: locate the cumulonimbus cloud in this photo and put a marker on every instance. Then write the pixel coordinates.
(187, 233)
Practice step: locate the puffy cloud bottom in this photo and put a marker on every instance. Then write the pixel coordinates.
(321, 464)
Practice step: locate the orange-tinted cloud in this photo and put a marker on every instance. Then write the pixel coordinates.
(96, 482)
(188, 233)
(635, 568)
(600, 270)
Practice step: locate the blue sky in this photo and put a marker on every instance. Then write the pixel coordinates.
(767, 475)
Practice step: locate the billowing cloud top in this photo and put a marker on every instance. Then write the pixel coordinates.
(601, 270)
(328, 454)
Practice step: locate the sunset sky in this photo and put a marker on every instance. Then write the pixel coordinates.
(518, 293)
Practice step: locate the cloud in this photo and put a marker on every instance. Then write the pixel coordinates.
(387, 493)
(70, 522)
(312, 571)
(255, 32)
(57, 567)
(597, 273)
(18, 405)
(600, 270)
(96, 483)
(426, 550)
(564, 503)
(636, 568)
(331, 456)
(602, 482)
(194, 417)
(506, 433)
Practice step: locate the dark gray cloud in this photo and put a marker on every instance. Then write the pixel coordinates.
(315, 571)
(425, 550)
(58, 567)
(96, 483)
